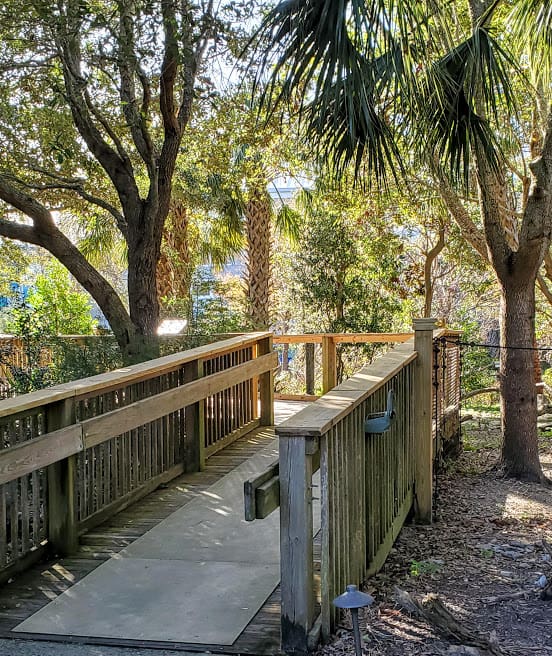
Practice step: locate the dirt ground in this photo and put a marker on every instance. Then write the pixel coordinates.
(484, 557)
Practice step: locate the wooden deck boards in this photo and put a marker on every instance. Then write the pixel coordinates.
(30, 591)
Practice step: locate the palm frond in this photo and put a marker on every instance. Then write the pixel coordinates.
(227, 202)
(531, 22)
(220, 243)
(288, 222)
(342, 56)
(461, 99)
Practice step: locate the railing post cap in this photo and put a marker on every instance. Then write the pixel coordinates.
(427, 323)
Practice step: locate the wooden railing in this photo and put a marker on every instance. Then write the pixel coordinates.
(368, 482)
(328, 344)
(73, 454)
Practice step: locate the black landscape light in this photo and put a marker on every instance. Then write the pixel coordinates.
(353, 599)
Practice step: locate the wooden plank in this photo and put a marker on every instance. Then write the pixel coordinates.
(350, 338)
(309, 369)
(382, 552)
(252, 484)
(224, 442)
(423, 390)
(295, 397)
(128, 499)
(329, 364)
(296, 548)
(371, 338)
(104, 427)
(26, 561)
(305, 338)
(24, 458)
(267, 498)
(194, 427)
(266, 383)
(62, 499)
(326, 553)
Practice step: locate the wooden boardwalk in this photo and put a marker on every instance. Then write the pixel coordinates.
(32, 590)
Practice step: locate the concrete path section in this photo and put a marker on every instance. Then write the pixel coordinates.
(198, 577)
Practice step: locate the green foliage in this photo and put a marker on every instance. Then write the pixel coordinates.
(13, 260)
(344, 271)
(73, 359)
(55, 306)
(58, 304)
(424, 567)
(27, 369)
(212, 311)
(479, 364)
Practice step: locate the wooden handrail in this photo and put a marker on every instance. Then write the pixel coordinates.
(124, 375)
(52, 447)
(317, 418)
(339, 338)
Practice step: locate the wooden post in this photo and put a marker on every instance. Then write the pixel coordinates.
(194, 443)
(62, 501)
(329, 364)
(266, 385)
(423, 434)
(296, 550)
(309, 367)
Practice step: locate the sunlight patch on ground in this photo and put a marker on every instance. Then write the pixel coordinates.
(517, 505)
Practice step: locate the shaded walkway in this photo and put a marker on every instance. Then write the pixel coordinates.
(197, 578)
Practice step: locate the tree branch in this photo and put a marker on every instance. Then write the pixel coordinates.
(75, 185)
(128, 69)
(454, 205)
(545, 289)
(117, 168)
(431, 256)
(25, 203)
(169, 69)
(69, 255)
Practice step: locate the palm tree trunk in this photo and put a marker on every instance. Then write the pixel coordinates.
(175, 266)
(258, 216)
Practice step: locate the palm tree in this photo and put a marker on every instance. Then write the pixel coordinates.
(382, 74)
(249, 214)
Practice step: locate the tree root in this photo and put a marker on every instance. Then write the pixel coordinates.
(432, 610)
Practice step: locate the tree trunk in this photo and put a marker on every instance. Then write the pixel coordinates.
(258, 215)
(520, 455)
(143, 255)
(431, 257)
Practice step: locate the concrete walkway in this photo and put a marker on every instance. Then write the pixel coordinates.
(198, 577)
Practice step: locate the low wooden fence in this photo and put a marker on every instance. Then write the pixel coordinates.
(74, 454)
(368, 482)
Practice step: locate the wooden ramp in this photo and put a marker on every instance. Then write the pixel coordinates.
(33, 591)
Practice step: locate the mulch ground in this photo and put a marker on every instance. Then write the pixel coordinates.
(486, 557)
